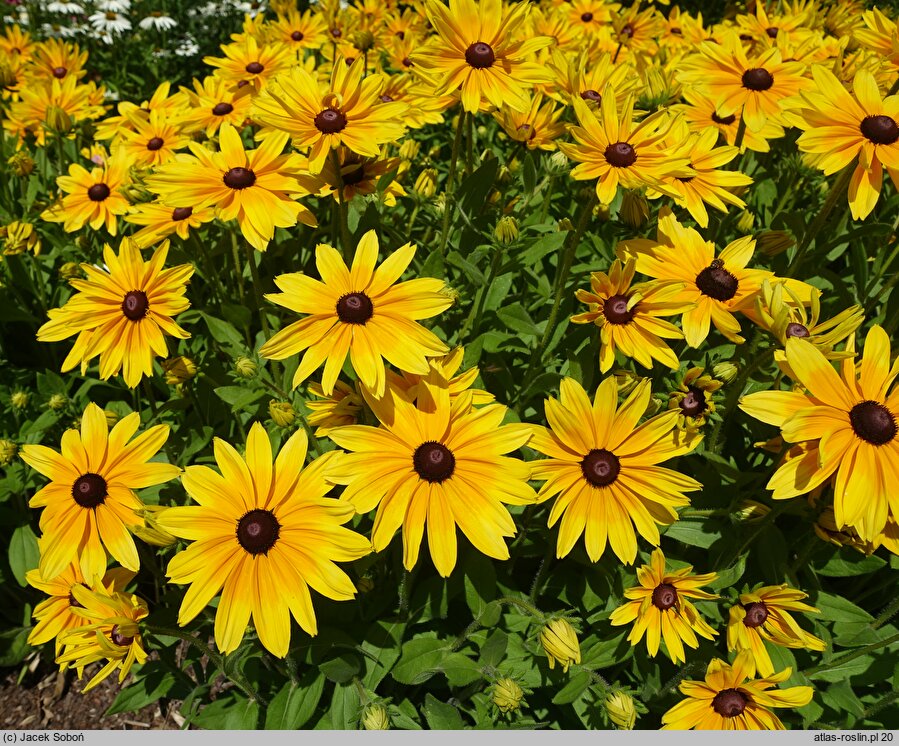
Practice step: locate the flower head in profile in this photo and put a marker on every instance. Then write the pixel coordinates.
(482, 49)
(110, 631)
(90, 501)
(660, 608)
(560, 643)
(730, 699)
(263, 533)
(536, 127)
(763, 616)
(603, 469)
(123, 313)
(628, 316)
(438, 464)
(849, 421)
(258, 188)
(362, 312)
(842, 127)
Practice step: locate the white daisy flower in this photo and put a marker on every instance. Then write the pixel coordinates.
(65, 8)
(114, 6)
(158, 21)
(110, 22)
(187, 47)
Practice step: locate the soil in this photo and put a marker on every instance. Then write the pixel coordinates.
(47, 698)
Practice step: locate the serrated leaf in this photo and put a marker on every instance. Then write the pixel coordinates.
(440, 715)
(576, 686)
(420, 660)
(460, 670)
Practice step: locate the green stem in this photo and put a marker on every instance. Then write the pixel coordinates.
(257, 289)
(413, 217)
(523, 605)
(342, 209)
(450, 181)
(888, 613)
(836, 192)
(469, 144)
(547, 198)
(741, 132)
(857, 653)
(474, 317)
(541, 573)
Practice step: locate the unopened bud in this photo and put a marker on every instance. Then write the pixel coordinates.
(772, 243)
(8, 451)
(57, 120)
(745, 221)
(245, 368)
(558, 163)
(282, 413)
(409, 149)
(506, 230)
(634, 210)
(178, 369)
(426, 183)
(21, 163)
(622, 710)
(560, 643)
(363, 40)
(57, 402)
(725, 372)
(19, 400)
(19, 237)
(565, 225)
(69, 271)
(111, 417)
(507, 695)
(375, 717)
(151, 532)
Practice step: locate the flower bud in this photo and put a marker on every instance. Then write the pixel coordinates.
(506, 230)
(19, 400)
(69, 271)
(751, 510)
(772, 243)
(8, 77)
(151, 532)
(57, 402)
(111, 417)
(426, 183)
(19, 237)
(365, 584)
(602, 212)
(363, 40)
(565, 225)
(634, 210)
(58, 121)
(8, 451)
(178, 370)
(282, 412)
(558, 163)
(504, 176)
(375, 717)
(560, 643)
(745, 221)
(245, 368)
(434, 153)
(621, 710)
(438, 205)
(21, 163)
(725, 372)
(507, 695)
(409, 149)
(627, 380)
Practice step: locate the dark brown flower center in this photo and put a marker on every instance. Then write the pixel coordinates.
(880, 129)
(182, 213)
(591, 95)
(155, 143)
(354, 308)
(336, 33)
(254, 68)
(480, 55)
(621, 154)
(242, 83)
(258, 531)
(135, 305)
(222, 109)
(330, 121)
(600, 467)
(873, 422)
(795, 329)
(756, 614)
(239, 178)
(407, 62)
(615, 310)
(772, 31)
(677, 32)
(730, 703)
(89, 490)
(354, 176)
(758, 79)
(716, 282)
(118, 638)
(627, 30)
(59, 72)
(664, 596)
(586, 17)
(693, 404)
(98, 192)
(74, 602)
(433, 462)
(297, 36)
(729, 119)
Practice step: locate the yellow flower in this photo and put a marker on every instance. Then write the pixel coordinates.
(255, 187)
(18, 237)
(91, 197)
(282, 413)
(660, 608)
(160, 221)
(91, 500)
(763, 615)
(603, 467)
(538, 126)
(360, 311)
(213, 103)
(559, 641)
(154, 140)
(246, 62)
(628, 316)
(263, 533)
(621, 710)
(729, 699)
(693, 399)
(122, 314)
(178, 370)
(375, 717)
(342, 407)
(507, 695)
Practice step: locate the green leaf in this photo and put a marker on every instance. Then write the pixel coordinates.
(23, 553)
(573, 690)
(419, 661)
(224, 332)
(517, 319)
(155, 682)
(540, 248)
(229, 712)
(473, 191)
(382, 648)
(840, 697)
(528, 174)
(693, 533)
(292, 706)
(728, 577)
(345, 707)
(238, 396)
(494, 649)
(848, 563)
(460, 670)
(844, 670)
(480, 582)
(441, 716)
(14, 646)
(838, 609)
(342, 668)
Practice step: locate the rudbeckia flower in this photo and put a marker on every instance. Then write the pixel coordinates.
(660, 608)
(90, 501)
(537, 127)
(628, 316)
(851, 421)
(122, 314)
(249, 63)
(763, 616)
(263, 534)
(361, 311)
(255, 187)
(153, 141)
(160, 221)
(841, 127)
(438, 464)
(603, 468)
(481, 48)
(700, 112)
(730, 699)
(213, 103)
